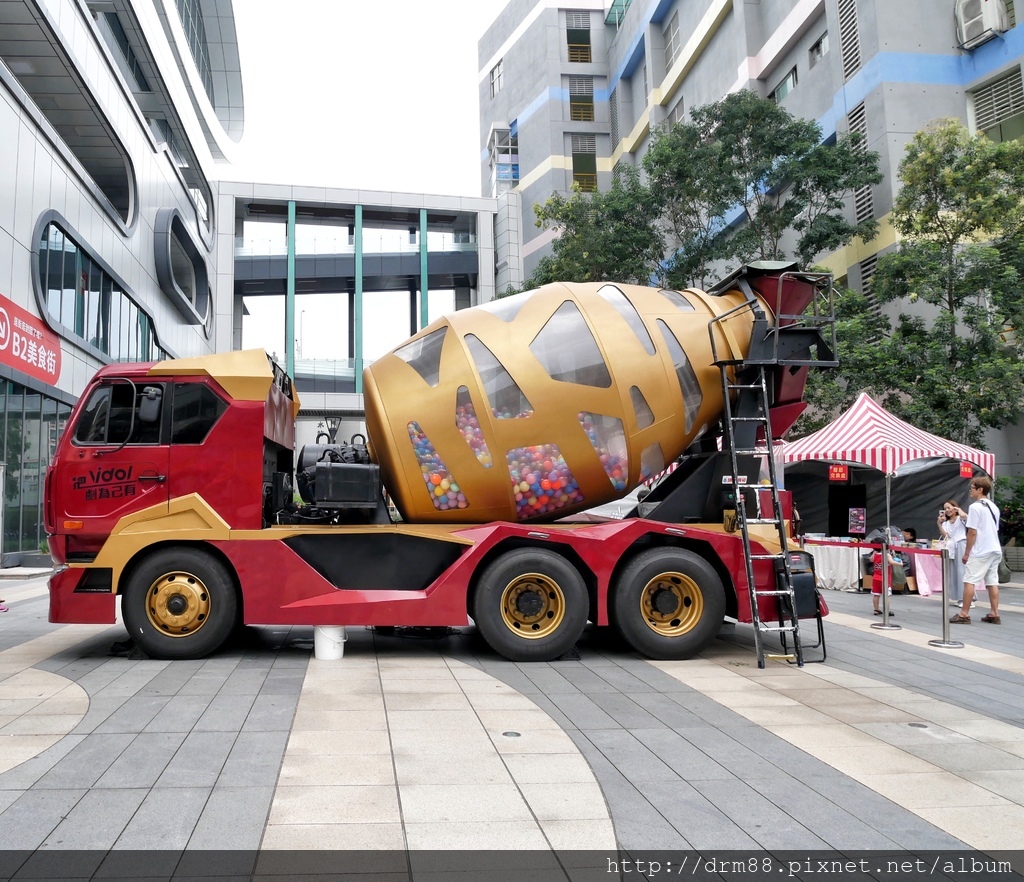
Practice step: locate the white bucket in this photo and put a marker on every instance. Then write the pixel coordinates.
(329, 641)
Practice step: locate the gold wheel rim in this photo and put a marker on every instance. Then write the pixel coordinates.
(671, 604)
(178, 604)
(532, 606)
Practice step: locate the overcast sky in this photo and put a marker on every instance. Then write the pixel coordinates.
(362, 95)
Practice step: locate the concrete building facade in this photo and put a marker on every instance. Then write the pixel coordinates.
(120, 227)
(571, 88)
(114, 117)
(884, 69)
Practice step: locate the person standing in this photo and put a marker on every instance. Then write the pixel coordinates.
(876, 578)
(982, 552)
(952, 528)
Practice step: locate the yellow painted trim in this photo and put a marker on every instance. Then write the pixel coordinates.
(538, 171)
(662, 94)
(186, 518)
(839, 262)
(555, 161)
(695, 46)
(245, 374)
(633, 140)
(191, 519)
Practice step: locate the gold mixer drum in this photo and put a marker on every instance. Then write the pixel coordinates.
(538, 405)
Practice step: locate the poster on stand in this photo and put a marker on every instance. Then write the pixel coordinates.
(858, 521)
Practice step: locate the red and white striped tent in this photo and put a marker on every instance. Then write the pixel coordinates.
(868, 434)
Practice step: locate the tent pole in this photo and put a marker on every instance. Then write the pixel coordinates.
(885, 624)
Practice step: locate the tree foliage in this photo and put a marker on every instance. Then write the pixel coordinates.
(955, 367)
(610, 236)
(688, 178)
(742, 179)
(788, 183)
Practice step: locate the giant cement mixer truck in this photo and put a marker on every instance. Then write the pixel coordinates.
(492, 434)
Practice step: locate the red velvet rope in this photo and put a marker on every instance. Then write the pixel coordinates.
(907, 548)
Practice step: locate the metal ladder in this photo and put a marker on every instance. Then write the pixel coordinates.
(746, 408)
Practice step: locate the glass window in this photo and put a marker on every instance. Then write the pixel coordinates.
(672, 41)
(51, 267)
(819, 50)
(677, 300)
(784, 88)
(567, 350)
(652, 461)
(110, 413)
(424, 355)
(69, 284)
(644, 414)
(31, 471)
(51, 430)
(441, 485)
(688, 385)
(542, 481)
(503, 394)
(12, 456)
(124, 329)
(196, 410)
(626, 309)
(469, 427)
(497, 77)
(609, 441)
(88, 302)
(506, 308)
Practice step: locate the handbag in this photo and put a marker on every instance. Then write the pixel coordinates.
(1004, 571)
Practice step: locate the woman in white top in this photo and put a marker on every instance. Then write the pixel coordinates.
(952, 526)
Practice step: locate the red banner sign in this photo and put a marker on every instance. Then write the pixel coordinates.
(966, 470)
(26, 344)
(838, 472)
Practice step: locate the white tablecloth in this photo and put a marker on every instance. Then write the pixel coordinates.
(835, 567)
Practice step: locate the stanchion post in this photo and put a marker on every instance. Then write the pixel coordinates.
(945, 642)
(885, 624)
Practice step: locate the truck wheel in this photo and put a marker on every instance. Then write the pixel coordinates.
(531, 605)
(668, 603)
(180, 603)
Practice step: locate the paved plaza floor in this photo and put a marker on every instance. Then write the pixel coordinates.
(413, 743)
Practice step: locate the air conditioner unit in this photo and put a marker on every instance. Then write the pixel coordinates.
(978, 21)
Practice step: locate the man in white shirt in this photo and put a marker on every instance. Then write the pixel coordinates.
(983, 552)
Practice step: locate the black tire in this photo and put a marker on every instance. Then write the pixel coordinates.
(188, 579)
(530, 605)
(668, 603)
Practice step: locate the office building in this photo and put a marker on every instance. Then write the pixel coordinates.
(120, 226)
(569, 89)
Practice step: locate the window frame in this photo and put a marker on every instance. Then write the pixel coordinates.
(786, 85)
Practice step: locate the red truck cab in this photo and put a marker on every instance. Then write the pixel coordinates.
(144, 434)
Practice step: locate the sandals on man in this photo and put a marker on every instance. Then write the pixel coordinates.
(991, 619)
(960, 619)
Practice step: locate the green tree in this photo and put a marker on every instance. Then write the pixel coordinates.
(955, 368)
(690, 186)
(787, 183)
(610, 236)
(737, 182)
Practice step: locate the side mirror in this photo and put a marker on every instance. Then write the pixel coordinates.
(149, 404)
